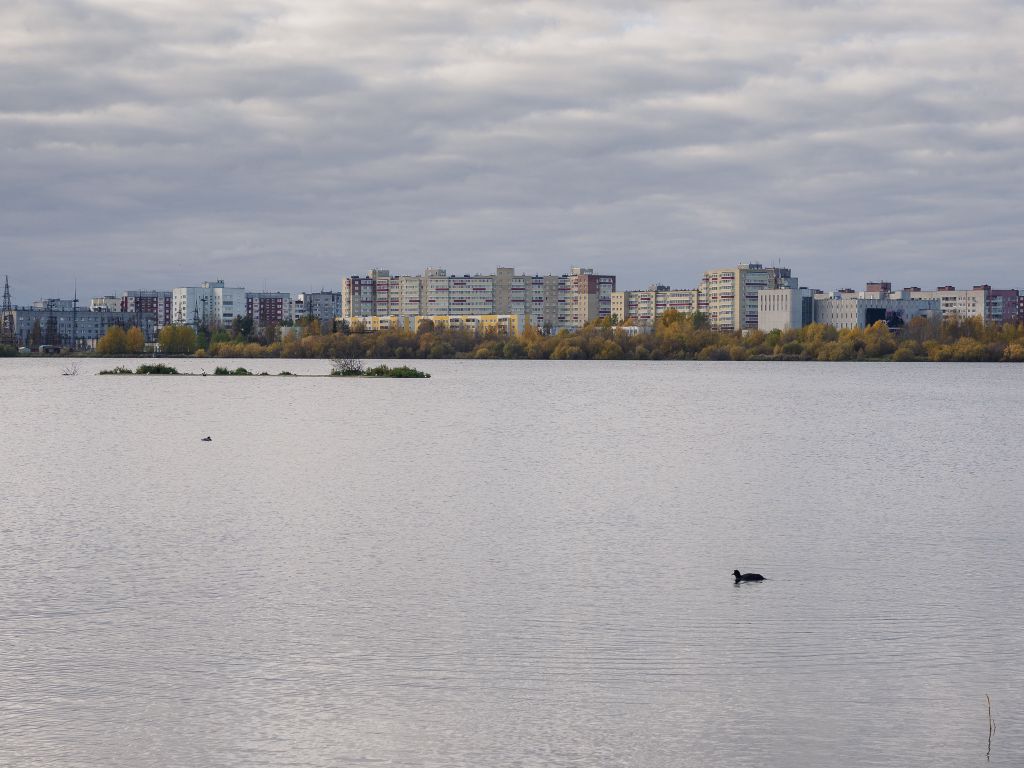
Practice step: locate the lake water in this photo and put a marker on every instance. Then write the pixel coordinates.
(513, 564)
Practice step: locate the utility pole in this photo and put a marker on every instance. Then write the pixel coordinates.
(74, 319)
(51, 338)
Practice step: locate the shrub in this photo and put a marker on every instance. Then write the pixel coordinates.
(118, 371)
(398, 372)
(346, 366)
(157, 369)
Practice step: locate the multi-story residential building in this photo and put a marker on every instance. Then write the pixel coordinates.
(211, 304)
(268, 308)
(323, 306)
(159, 303)
(590, 296)
(549, 302)
(61, 325)
(1004, 305)
(729, 296)
(644, 307)
(542, 298)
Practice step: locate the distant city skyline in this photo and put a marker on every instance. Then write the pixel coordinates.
(20, 297)
(289, 143)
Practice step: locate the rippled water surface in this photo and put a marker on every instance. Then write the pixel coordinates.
(513, 564)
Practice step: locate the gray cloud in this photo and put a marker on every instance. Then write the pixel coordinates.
(290, 143)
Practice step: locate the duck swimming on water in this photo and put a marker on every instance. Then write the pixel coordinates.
(747, 576)
(207, 439)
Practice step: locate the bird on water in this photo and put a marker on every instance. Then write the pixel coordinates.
(747, 576)
(207, 439)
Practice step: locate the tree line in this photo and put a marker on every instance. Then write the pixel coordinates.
(674, 336)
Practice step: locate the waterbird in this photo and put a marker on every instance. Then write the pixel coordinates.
(207, 439)
(747, 576)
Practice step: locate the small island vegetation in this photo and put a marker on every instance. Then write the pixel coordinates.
(148, 369)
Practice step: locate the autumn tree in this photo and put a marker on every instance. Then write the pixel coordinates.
(114, 341)
(135, 341)
(177, 340)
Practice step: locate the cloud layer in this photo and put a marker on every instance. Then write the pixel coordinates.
(152, 143)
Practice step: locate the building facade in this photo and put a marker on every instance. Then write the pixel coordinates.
(65, 327)
(210, 305)
(549, 302)
(786, 309)
(269, 308)
(644, 307)
(159, 303)
(729, 296)
(323, 306)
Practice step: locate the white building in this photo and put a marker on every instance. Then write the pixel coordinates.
(844, 310)
(211, 304)
(785, 309)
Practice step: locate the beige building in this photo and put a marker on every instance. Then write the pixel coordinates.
(549, 302)
(644, 307)
(954, 303)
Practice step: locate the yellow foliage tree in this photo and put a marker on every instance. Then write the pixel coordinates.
(135, 341)
(177, 340)
(114, 341)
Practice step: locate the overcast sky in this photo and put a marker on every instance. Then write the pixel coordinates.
(149, 143)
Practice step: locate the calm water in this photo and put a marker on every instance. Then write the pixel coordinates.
(513, 564)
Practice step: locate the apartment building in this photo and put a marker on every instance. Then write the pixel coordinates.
(729, 296)
(211, 304)
(549, 302)
(644, 307)
(269, 308)
(590, 296)
(158, 303)
(324, 306)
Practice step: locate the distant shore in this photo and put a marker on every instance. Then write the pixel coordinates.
(673, 336)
